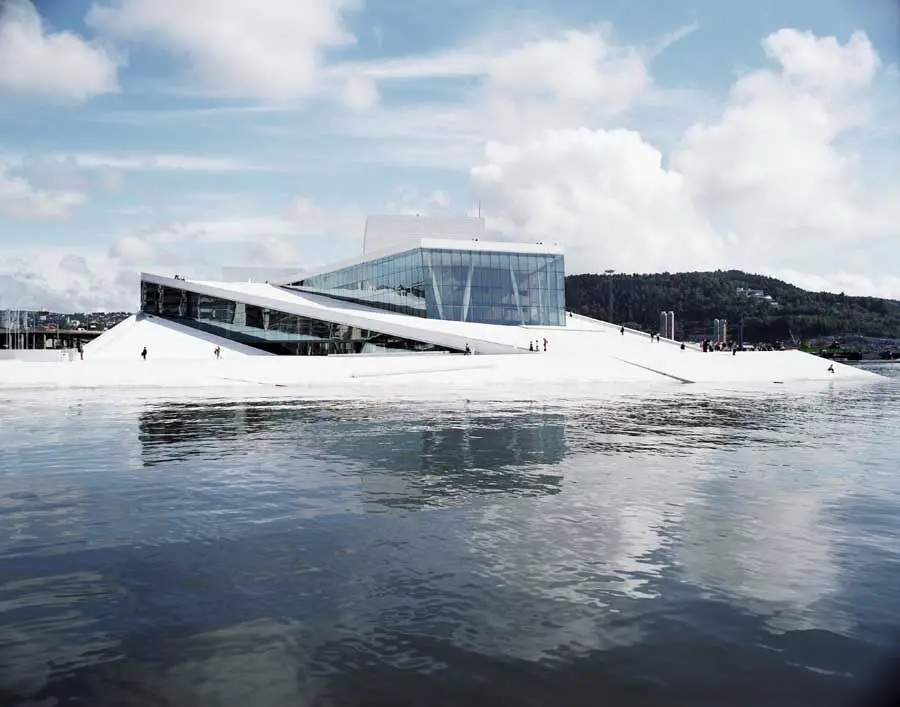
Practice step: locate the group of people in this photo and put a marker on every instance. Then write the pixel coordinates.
(719, 346)
(536, 345)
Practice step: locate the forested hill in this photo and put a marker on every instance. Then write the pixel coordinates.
(772, 309)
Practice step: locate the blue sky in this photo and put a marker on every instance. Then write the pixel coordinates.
(137, 135)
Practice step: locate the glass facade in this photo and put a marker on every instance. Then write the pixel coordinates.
(458, 285)
(267, 329)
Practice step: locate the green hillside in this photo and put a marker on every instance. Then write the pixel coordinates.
(699, 297)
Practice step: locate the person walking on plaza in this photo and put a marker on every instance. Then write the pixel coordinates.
(144, 353)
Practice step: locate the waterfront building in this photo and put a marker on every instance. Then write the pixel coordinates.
(400, 297)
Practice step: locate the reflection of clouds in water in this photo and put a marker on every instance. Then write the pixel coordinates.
(75, 427)
(49, 628)
(259, 662)
(622, 525)
(600, 542)
(263, 662)
(608, 520)
(63, 452)
(764, 538)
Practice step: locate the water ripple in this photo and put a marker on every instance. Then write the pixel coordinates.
(281, 551)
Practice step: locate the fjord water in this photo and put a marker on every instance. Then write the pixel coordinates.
(694, 548)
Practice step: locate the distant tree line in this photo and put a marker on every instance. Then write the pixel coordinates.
(697, 298)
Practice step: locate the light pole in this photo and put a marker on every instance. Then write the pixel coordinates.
(609, 274)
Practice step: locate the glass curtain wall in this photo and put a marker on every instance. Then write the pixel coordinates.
(495, 288)
(267, 329)
(458, 285)
(395, 283)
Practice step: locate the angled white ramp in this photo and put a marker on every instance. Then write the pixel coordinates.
(164, 340)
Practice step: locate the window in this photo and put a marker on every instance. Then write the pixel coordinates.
(461, 285)
(267, 329)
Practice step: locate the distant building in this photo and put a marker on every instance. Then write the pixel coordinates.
(756, 294)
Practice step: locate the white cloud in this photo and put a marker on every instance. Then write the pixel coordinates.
(771, 183)
(776, 147)
(79, 278)
(200, 245)
(20, 200)
(359, 93)
(887, 286)
(136, 248)
(52, 277)
(580, 65)
(271, 51)
(412, 201)
(521, 82)
(575, 66)
(56, 65)
(604, 194)
(310, 219)
(139, 161)
(823, 63)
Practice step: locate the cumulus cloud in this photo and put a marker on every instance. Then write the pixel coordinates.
(359, 93)
(776, 147)
(97, 278)
(768, 184)
(20, 200)
(53, 278)
(579, 65)
(55, 65)
(411, 201)
(517, 83)
(604, 194)
(200, 246)
(582, 66)
(235, 48)
(887, 286)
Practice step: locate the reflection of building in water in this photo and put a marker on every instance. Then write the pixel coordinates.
(401, 457)
(442, 456)
(178, 430)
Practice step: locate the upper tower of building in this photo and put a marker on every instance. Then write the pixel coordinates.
(441, 268)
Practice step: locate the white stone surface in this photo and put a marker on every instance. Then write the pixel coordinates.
(583, 359)
(164, 341)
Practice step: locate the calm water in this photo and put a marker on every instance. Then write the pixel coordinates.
(695, 549)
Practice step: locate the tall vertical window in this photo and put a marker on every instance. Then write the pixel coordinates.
(459, 285)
